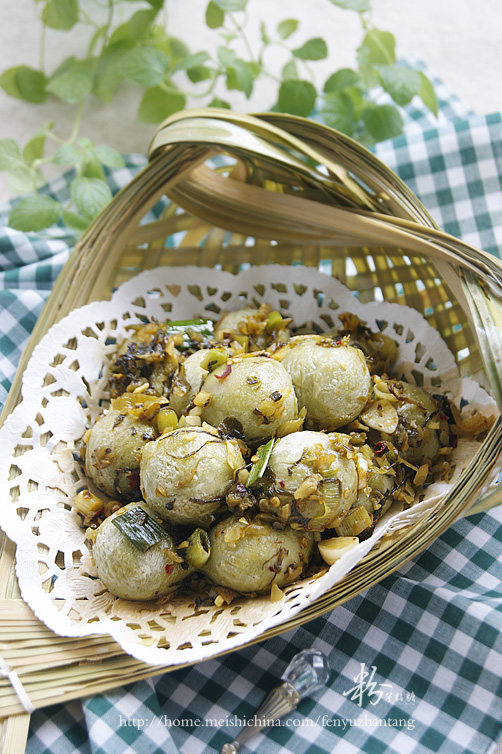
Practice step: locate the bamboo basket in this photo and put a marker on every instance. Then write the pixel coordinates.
(284, 190)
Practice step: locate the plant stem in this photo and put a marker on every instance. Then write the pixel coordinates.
(244, 38)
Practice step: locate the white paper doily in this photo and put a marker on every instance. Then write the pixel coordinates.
(63, 390)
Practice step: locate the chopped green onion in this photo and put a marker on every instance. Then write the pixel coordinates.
(274, 319)
(214, 359)
(196, 332)
(198, 550)
(258, 468)
(141, 529)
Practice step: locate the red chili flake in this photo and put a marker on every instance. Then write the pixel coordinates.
(228, 370)
(169, 568)
(133, 481)
(271, 568)
(453, 440)
(282, 484)
(379, 448)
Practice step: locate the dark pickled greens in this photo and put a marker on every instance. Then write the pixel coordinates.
(141, 529)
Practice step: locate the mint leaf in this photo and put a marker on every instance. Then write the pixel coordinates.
(240, 76)
(338, 112)
(427, 94)
(217, 102)
(23, 82)
(74, 221)
(377, 48)
(137, 28)
(225, 56)
(400, 82)
(74, 83)
(313, 49)
(158, 104)
(382, 121)
(21, 180)
(90, 196)
(341, 79)
(34, 148)
(191, 61)
(108, 72)
(215, 16)
(68, 154)
(231, 5)
(290, 70)
(145, 66)
(360, 6)
(10, 154)
(287, 27)
(34, 213)
(60, 14)
(199, 73)
(92, 168)
(296, 97)
(109, 156)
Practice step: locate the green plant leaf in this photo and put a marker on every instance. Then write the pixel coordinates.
(240, 76)
(400, 82)
(109, 156)
(341, 79)
(145, 66)
(174, 48)
(290, 70)
(215, 16)
(92, 168)
(231, 5)
(377, 48)
(338, 112)
(23, 82)
(191, 61)
(225, 56)
(108, 72)
(10, 154)
(200, 73)
(68, 154)
(34, 213)
(296, 97)
(217, 102)
(382, 121)
(21, 180)
(427, 94)
(90, 196)
(287, 27)
(74, 221)
(137, 28)
(264, 34)
(34, 148)
(313, 49)
(60, 14)
(360, 6)
(158, 104)
(74, 83)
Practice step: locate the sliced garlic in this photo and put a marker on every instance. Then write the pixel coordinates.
(334, 548)
(380, 415)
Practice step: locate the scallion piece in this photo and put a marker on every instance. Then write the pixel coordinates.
(196, 332)
(258, 468)
(140, 528)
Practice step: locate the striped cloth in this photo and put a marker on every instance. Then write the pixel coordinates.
(415, 659)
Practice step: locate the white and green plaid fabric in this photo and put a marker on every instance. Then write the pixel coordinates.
(416, 659)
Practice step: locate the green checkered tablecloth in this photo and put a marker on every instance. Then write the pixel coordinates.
(416, 659)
